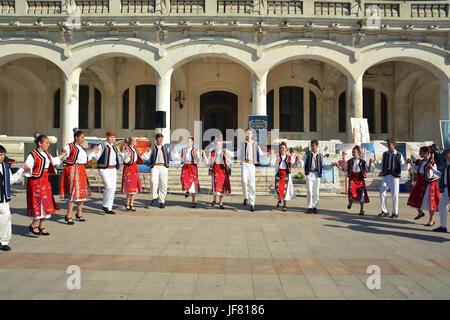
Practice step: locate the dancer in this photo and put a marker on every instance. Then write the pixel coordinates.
(131, 181)
(313, 164)
(444, 187)
(391, 167)
(190, 157)
(6, 180)
(219, 162)
(283, 163)
(40, 201)
(108, 164)
(356, 169)
(425, 194)
(74, 182)
(159, 163)
(249, 153)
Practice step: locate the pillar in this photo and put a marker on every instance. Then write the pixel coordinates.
(354, 102)
(163, 101)
(444, 99)
(259, 101)
(70, 106)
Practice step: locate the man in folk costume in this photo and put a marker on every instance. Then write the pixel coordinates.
(219, 162)
(249, 153)
(391, 167)
(356, 169)
(283, 163)
(444, 188)
(74, 182)
(131, 181)
(107, 158)
(190, 157)
(425, 194)
(159, 163)
(40, 201)
(313, 164)
(6, 180)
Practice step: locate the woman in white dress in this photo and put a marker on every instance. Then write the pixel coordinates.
(283, 163)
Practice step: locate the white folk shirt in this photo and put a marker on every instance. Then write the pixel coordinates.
(219, 157)
(431, 174)
(249, 151)
(403, 163)
(83, 156)
(112, 155)
(30, 162)
(126, 156)
(282, 164)
(356, 167)
(314, 161)
(159, 156)
(13, 178)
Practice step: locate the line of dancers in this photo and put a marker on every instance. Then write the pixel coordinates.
(75, 188)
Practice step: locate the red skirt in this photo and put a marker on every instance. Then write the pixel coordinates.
(281, 183)
(75, 183)
(357, 187)
(418, 193)
(131, 182)
(39, 195)
(189, 175)
(221, 179)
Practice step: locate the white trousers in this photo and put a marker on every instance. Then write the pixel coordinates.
(160, 177)
(443, 208)
(393, 184)
(248, 182)
(109, 177)
(312, 189)
(5, 223)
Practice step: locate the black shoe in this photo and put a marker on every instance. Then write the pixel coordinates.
(440, 229)
(44, 233)
(5, 247)
(213, 204)
(153, 202)
(105, 209)
(384, 214)
(186, 194)
(309, 210)
(349, 206)
(221, 206)
(394, 216)
(31, 229)
(284, 208)
(67, 220)
(132, 208)
(80, 218)
(430, 224)
(314, 210)
(278, 204)
(110, 212)
(161, 205)
(252, 208)
(127, 207)
(361, 213)
(244, 203)
(193, 205)
(420, 215)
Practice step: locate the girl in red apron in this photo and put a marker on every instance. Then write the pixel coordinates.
(131, 181)
(40, 201)
(190, 157)
(283, 163)
(425, 193)
(219, 162)
(74, 182)
(356, 169)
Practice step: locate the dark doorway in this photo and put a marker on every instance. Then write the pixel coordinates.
(219, 110)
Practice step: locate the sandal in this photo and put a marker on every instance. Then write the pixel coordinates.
(127, 207)
(284, 208)
(132, 208)
(278, 203)
(420, 215)
(193, 205)
(31, 229)
(80, 218)
(213, 204)
(69, 220)
(44, 233)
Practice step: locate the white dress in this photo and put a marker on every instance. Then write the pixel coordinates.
(431, 174)
(278, 163)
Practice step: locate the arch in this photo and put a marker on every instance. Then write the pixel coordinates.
(181, 54)
(431, 59)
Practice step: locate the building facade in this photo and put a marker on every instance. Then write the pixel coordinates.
(309, 65)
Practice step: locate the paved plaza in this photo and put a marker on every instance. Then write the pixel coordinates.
(208, 253)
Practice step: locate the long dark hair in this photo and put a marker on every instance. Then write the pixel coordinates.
(39, 138)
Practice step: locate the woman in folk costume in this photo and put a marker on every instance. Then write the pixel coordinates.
(219, 162)
(425, 194)
(190, 157)
(131, 181)
(283, 163)
(356, 169)
(74, 182)
(40, 201)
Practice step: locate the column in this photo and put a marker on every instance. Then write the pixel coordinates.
(259, 100)
(354, 103)
(70, 106)
(445, 99)
(163, 101)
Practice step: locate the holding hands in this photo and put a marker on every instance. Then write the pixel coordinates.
(26, 168)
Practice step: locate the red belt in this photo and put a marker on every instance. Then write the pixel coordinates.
(111, 167)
